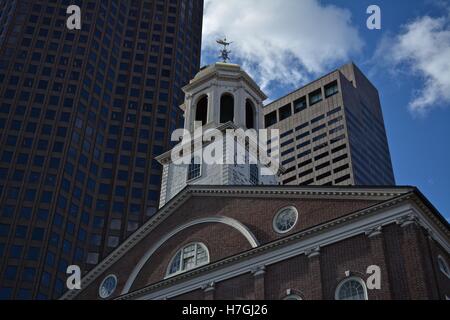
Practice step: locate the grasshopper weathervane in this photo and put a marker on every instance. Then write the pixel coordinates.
(224, 53)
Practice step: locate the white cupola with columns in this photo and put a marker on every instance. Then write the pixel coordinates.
(222, 97)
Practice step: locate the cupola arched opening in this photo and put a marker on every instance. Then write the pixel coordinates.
(226, 108)
(249, 114)
(201, 110)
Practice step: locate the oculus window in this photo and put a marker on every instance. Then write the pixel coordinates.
(285, 220)
(108, 286)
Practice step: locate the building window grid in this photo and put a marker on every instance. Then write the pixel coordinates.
(194, 170)
(318, 138)
(254, 174)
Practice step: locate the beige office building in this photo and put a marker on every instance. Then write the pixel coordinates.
(332, 132)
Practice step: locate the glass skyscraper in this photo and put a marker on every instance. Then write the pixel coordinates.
(83, 113)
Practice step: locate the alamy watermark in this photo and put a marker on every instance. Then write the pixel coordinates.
(374, 20)
(74, 20)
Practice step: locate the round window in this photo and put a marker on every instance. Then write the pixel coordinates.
(108, 286)
(285, 220)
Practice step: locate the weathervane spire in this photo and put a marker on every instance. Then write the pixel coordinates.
(224, 53)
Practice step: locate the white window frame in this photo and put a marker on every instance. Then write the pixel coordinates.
(169, 275)
(103, 282)
(442, 261)
(341, 284)
(274, 221)
(189, 169)
(292, 297)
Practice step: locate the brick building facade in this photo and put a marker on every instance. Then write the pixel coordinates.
(339, 232)
(213, 239)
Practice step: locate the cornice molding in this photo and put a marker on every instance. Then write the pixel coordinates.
(210, 286)
(314, 252)
(259, 270)
(407, 220)
(373, 232)
(224, 72)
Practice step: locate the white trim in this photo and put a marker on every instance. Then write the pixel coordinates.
(329, 235)
(292, 297)
(441, 260)
(274, 221)
(103, 282)
(193, 157)
(429, 225)
(224, 220)
(357, 279)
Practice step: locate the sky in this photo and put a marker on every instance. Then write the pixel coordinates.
(284, 44)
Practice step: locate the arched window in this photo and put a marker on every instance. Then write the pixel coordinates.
(226, 108)
(249, 115)
(201, 111)
(443, 266)
(351, 289)
(293, 297)
(189, 257)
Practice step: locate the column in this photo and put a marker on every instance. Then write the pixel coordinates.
(208, 290)
(188, 113)
(378, 258)
(214, 104)
(413, 258)
(239, 108)
(315, 274)
(259, 275)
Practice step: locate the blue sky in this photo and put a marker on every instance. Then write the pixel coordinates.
(284, 44)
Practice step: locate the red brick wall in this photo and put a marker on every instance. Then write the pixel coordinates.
(407, 257)
(289, 274)
(255, 213)
(221, 240)
(396, 262)
(441, 281)
(352, 255)
(193, 295)
(239, 288)
(303, 276)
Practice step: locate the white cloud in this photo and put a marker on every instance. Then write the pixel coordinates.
(279, 41)
(423, 49)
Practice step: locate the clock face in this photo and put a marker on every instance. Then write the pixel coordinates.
(108, 286)
(285, 220)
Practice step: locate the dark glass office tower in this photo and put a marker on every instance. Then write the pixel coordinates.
(83, 113)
